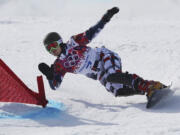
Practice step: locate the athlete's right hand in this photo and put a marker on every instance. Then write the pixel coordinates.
(46, 70)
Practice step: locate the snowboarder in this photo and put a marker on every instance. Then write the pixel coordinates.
(97, 63)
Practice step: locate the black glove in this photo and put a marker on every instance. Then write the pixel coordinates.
(46, 70)
(109, 14)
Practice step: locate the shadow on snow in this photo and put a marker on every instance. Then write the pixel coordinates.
(53, 115)
(169, 104)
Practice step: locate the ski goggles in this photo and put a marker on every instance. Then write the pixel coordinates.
(53, 46)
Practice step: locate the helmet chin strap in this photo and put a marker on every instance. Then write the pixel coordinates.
(63, 48)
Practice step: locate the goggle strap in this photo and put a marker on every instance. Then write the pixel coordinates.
(59, 42)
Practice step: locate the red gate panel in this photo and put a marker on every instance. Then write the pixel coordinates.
(12, 89)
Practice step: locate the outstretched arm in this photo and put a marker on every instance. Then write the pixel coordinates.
(90, 34)
(87, 36)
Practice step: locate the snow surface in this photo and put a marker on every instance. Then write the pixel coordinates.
(146, 36)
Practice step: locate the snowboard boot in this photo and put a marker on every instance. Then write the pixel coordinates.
(146, 86)
(153, 86)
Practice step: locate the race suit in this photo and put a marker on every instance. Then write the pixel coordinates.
(95, 63)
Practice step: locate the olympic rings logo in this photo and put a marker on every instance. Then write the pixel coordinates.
(71, 60)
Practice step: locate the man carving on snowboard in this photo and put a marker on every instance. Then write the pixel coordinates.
(96, 63)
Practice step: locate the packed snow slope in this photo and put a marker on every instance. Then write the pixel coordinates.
(146, 35)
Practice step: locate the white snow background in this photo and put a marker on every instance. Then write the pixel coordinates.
(146, 35)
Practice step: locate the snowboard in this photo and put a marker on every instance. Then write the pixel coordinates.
(158, 95)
